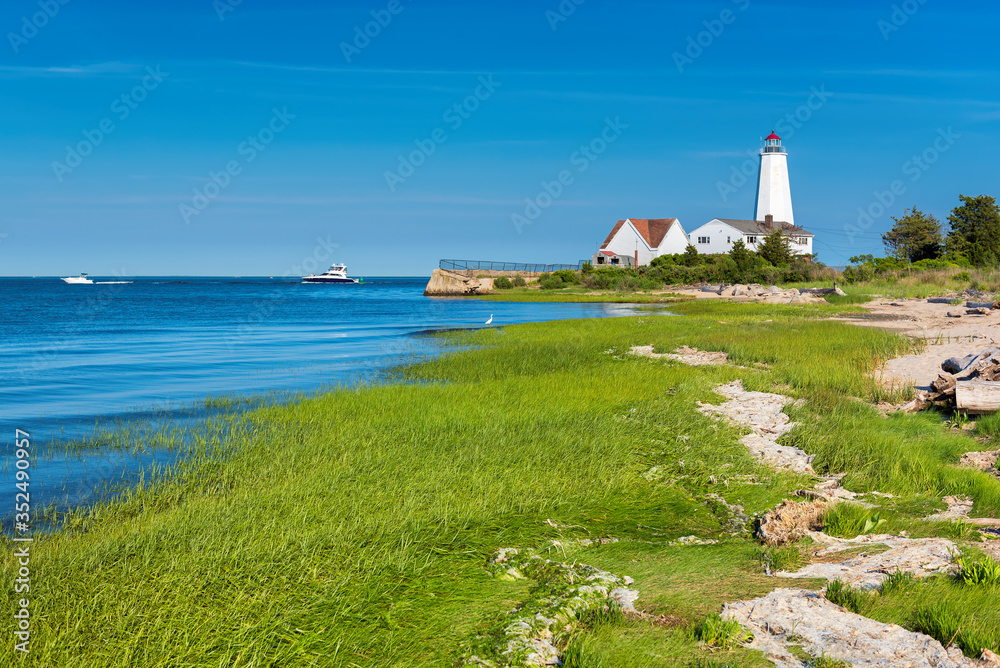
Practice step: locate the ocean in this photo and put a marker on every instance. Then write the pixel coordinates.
(79, 359)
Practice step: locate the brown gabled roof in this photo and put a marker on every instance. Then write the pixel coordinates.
(761, 228)
(653, 230)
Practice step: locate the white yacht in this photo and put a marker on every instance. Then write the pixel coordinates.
(79, 280)
(337, 273)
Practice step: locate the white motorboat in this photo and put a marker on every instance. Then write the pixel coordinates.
(79, 280)
(337, 273)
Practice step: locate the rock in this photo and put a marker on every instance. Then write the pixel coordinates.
(959, 507)
(764, 414)
(838, 291)
(984, 461)
(740, 290)
(791, 521)
(990, 659)
(689, 356)
(805, 618)
(920, 556)
(977, 311)
(774, 289)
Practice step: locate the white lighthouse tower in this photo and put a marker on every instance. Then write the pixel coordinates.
(774, 196)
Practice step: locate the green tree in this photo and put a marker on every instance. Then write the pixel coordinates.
(740, 255)
(690, 258)
(975, 230)
(916, 236)
(776, 249)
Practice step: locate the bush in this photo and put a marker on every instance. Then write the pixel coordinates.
(519, 281)
(567, 276)
(552, 283)
(502, 283)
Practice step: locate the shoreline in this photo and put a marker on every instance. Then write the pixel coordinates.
(394, 496)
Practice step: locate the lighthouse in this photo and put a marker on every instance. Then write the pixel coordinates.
(774, 197)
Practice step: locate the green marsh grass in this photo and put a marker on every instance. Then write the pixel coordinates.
(352, 528)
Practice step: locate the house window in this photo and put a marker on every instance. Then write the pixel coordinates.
(803, 241)
(704, 240)
(600, 259)
(751, 240)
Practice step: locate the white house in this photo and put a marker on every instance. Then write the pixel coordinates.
(636, 241)
(719, 235)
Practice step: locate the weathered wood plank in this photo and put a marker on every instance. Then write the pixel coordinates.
(977, 396)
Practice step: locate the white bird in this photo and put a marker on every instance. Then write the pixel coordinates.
(490, 321)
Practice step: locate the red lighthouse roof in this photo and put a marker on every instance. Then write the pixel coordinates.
(773, 136)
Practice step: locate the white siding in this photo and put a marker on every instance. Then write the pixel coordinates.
(628, 240)
(721, 238)
(675, 242)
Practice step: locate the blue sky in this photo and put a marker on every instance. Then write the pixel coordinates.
(329, 125)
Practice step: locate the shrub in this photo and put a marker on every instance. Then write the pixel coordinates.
(552, 283)
(519, 281)
(567, 276)
(502, 283)
(963, 276)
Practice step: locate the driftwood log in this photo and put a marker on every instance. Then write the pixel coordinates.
(977, 396)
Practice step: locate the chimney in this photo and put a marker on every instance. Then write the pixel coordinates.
(636, 257)
(769, 220)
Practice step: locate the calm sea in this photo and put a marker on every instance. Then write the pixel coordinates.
(76, 358)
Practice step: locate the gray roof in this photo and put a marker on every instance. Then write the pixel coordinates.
(761, 228)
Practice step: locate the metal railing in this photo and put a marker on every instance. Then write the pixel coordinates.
(486, 265)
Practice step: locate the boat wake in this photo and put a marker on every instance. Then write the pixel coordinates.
(112, 282)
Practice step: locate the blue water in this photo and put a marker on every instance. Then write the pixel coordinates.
(73, 357)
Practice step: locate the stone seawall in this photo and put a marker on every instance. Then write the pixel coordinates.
(453, 284)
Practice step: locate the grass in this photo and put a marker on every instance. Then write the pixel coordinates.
(856, 600)
(583, 296)
(715, 631)
(848, 520)
(353, 528)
